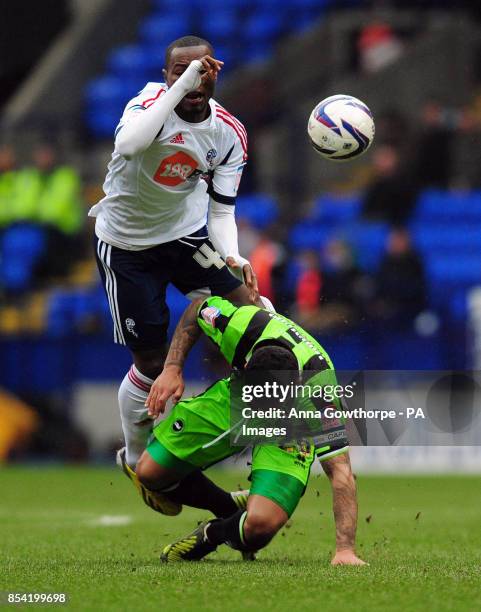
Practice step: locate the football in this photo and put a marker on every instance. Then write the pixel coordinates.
(341, 128)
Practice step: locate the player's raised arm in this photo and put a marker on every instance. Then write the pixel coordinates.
(344, 502)
(170, 383)
(138, 133)
(223, 191)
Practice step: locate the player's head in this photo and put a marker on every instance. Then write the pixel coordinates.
(178, 56)
(272, 357)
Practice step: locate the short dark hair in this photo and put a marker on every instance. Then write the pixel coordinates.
(272, 357)
(187, 41)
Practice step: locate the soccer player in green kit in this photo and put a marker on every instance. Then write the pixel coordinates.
(195, 433)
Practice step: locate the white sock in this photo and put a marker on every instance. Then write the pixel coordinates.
(136, 423)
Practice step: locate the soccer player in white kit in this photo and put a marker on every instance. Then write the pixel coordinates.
(178, 159)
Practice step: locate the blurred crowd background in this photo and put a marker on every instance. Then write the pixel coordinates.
(379, 258)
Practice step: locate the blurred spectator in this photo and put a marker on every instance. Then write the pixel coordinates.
(439, 126)
(391, 129)
(340, 285)
(267, 260)
(59, 202)
(309, 286)
(392, 195)
(7, 180)
(59, 208)
(18, 421)
(378, 46)
(401, 285)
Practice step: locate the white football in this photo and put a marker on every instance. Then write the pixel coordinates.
(341, 128)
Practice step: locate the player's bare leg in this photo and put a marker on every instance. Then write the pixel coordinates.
(246, 531)
(193, 489)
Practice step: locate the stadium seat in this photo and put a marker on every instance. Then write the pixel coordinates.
(335, 209)
(459, 237)
(449, 274)
(445, 206)
(458, 306)
(70, 310)
(409, 351)
(260, 210)
(21, 248)
(447, 268)
(368, 241)
(222, 26)
(256, 52)
(319, 5)
(263, 26)
(102, 122)
(307, 235)
(105, 90)
(162, 30)
(229, 55)
(132, 60)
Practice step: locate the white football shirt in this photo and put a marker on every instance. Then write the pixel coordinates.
(163, 193)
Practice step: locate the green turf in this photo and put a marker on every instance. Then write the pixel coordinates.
(50, 542)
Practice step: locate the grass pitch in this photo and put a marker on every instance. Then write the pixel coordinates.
(85, 532)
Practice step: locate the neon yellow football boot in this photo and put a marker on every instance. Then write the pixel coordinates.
(155, 500)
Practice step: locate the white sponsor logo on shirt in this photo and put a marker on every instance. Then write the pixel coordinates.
(210, 314)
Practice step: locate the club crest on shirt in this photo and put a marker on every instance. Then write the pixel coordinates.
(130, 325)
(211, 155)
(210, 314)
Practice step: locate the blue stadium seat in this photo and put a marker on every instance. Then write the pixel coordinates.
(306, 13)
(69, 310)
(15, 276)
(409, 351)
(336, 209)
(229, 54)
(259, 51)
(241, 7)
(258, 209)
(308, 235)
(368, 241)
(435, 205)
(221, 26)
(449, 275)
(23, 240)
(162, 30)
(21, 248)
(458, 306)
(134, 60)
(103, 121)
(60, 314)
(455, 271)
(105, 89)
(292, 275)
(437, 238)
(177, 303)
(263, 26)
(349, 351)
(319, 5)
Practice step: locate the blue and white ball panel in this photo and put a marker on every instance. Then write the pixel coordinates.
(341, 127)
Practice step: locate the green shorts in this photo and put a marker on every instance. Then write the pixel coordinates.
(195, 435)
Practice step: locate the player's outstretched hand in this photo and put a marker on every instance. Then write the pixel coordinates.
(250, 279)
(169, 384)
(347, 557)
(210, 68)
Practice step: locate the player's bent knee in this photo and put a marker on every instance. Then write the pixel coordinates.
(259, 528)
(149, 363)
(150, 474)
